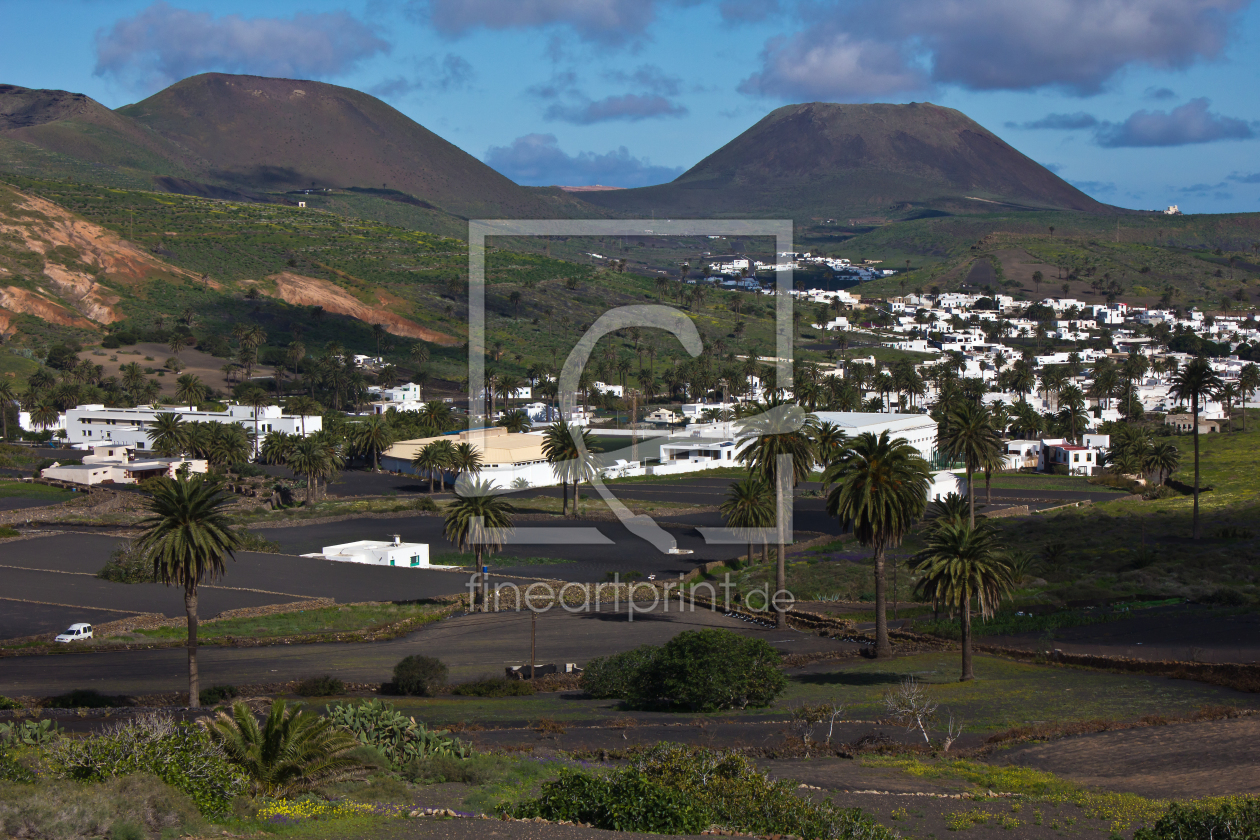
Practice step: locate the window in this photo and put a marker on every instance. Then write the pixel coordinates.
(415, 560)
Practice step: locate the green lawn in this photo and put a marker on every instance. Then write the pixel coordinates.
(1039, 481)
(28, 490)
(342, 619)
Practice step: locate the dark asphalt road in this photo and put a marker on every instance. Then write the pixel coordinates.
(470, 645)
(22, 619)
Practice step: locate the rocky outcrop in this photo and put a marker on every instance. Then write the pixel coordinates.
(300, 290)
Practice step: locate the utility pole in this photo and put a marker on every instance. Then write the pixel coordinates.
(634, 432)
(533, 642)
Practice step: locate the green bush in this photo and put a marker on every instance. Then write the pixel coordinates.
(1232, 819)
(256, 542)
(682, 789)
(615, 676)
(623, 801)
(180, 754)
(12, 771)
(128, 563)
(325, 686)
(495, 687)
(85, 698)
(419, 676)
(426, 504)
(401, 738)
(6, 704)
(702, 670)
(134, 806)
(8, 531)
(216, 694)
(438, 769)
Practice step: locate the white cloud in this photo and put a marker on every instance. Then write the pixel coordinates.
(538, 160)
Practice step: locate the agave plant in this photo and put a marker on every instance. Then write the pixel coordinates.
(292, 751)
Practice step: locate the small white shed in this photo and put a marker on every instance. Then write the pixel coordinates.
(380, 553)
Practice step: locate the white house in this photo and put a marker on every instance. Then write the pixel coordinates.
(919, 430)
(380, 553)
(118, 465)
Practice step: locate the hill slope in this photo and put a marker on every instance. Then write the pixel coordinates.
(225, 136)
(822, 160)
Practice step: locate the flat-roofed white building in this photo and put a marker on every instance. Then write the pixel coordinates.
(919, 430)
(90, 425)
(380, 553)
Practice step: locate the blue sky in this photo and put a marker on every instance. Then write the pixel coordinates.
(1141, 103)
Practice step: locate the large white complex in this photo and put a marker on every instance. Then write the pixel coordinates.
(507, 459)
(90, 425)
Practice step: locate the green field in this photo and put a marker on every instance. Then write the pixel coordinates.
(327, 620)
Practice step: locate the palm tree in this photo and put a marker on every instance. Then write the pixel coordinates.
(962, 562)
(374, 435)
(228, 444)
(1162, 459)
(748, 507)
(970, 437)
(429, 460)
(292, 752)
(1196, 381)
(1072, 413)
(466, 460)
(8, 395)
(45, 413)
(515, 421)
(187, 537)
(307, 458)
(1248, 382)
(780, 430)
(436, 416)
(303, 407)
(559, 450)
(881, 489)
(256, 398)
(276, 447)
(169, 435)
(1229, 395)
(478, 519)
(190, 390)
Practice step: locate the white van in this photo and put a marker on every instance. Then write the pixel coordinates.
(75, 633)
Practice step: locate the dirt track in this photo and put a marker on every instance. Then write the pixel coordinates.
(1181, 761)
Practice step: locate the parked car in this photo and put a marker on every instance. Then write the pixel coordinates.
(75, 633)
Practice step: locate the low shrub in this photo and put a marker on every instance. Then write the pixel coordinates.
(426, 504)
(325, 686)
(12, 771)
(495, 687)
(216, 694)
(402, 739)
(180, 754)
(136, 806)
(256, 542)
(702, 670)
(682, 789)
(439, 769)
(1229, 819)
(128, 563)
(7, 531)
(419, 676)
(85, 698)
(6, 704)
(29, 733)
(615, 676)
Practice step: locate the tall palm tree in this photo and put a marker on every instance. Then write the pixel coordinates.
(168, 436)
(308, 459)
(436, 416)
(303, 407)
(970, 437)
(190, 390)
(779, 430)
(8, 395)
(45, 413)
(1072, 412)
(1196, 381)
(276, 447)
(257, 399)
(559, 450)
(748, 507)
(1248, 382)
(466, 460)
(1162, 460)
(374, 435)
(881, 489)
(960, 563)
(432, 459)
(187, 537)
(478, 520)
